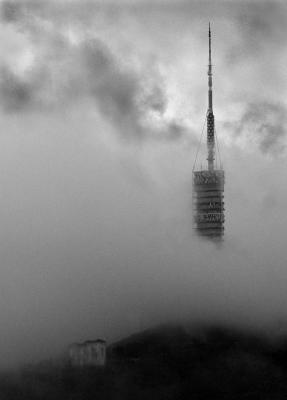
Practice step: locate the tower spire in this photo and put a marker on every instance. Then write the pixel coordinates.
(209, 72)
(210, 116)
(208, 184)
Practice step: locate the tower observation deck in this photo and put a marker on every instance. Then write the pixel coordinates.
(208, 184)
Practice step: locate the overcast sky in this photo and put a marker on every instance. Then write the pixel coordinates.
(102, 106)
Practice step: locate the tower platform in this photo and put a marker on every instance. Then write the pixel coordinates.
(208, 203)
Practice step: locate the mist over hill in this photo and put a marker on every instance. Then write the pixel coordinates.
(169, 362)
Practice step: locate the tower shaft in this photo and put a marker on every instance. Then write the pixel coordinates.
(208, 184)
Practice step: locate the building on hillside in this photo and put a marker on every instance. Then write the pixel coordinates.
(91, 353)
(208, 183)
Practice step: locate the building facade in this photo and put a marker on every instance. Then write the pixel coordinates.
(88, 354)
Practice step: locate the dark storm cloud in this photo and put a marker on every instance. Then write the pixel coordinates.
(264, 122)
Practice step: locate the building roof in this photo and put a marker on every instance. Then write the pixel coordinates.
(88, 342)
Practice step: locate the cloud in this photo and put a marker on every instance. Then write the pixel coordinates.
(70, 66)
(263, 123)
(70, 40)
(16, 94)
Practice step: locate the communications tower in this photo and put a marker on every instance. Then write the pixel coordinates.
(208, 183)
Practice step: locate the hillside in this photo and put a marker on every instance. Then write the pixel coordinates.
(167, 363)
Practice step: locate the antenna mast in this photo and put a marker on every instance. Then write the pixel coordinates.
(210, 116)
